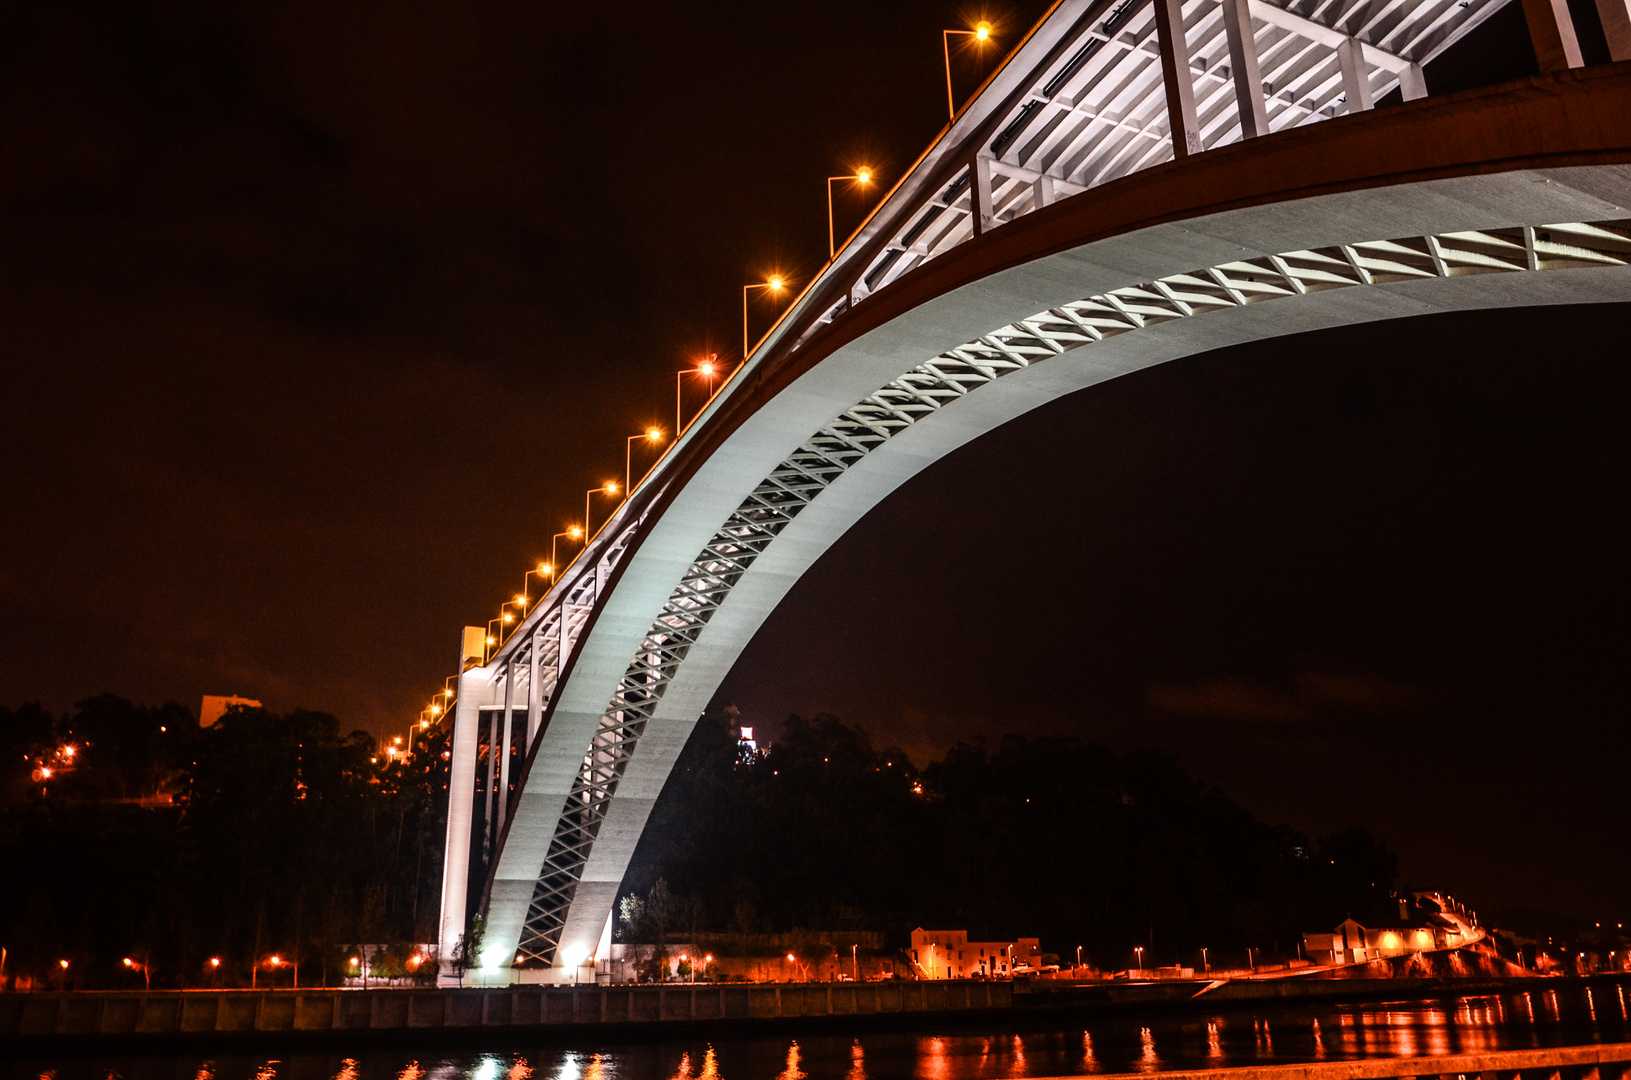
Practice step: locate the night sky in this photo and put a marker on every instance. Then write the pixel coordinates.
(319, 320)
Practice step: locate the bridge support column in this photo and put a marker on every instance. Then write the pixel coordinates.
(461, 799)
(1237, 26)
(1551, 31)
(1180, 84)
(1616, 16)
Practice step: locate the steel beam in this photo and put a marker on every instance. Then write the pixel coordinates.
(1237, 26)
(1616, 16)
(1551, 32)
(1355, 77)
(1180, 84)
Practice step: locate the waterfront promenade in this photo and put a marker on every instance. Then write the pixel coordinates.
(315, 1014)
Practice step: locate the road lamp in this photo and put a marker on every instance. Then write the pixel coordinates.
(608, 488)
(1206, 965)
(707, 367)
(575, 533)
(1139, 949)
(775, 283)
(981, 34)
(862, 178)
(147, 976)
(1078, 956)
(653, 435)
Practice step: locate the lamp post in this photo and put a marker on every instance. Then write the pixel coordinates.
(707, 367)
(574, 532)
(543, 571)
(147, 976)
(981, 34)
(1078, 957)
(652, 435)
(862, 178)
(775, 283)
(1206, 965)
(608, 488)
(1139, 949)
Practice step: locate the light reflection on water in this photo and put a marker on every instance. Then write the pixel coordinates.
(1469, 1024)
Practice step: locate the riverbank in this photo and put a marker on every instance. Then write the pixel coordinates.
(238, 1017)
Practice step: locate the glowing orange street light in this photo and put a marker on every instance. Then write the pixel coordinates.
(775, 283)
(147, 979)
(608, 488)
(862, 178)
(707, 367)
(981, 34)
(63, 964)
(572, 532)
(653, 435)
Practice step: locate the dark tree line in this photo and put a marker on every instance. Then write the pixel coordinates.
(268, 834)
(170, 844)
(1049, 837)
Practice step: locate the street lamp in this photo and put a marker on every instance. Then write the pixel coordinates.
(775, 283)
(608, 488)
(707, 367)
(862, 178)
(981, 34)
(147, 977)
(574, 532)
(1139, 949)
(653, 435)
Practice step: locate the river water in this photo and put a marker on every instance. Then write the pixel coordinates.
(1241, 1036)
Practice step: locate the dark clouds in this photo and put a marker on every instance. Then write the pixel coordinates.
(1310, 696)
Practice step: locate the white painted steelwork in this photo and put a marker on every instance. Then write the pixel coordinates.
(613, 666)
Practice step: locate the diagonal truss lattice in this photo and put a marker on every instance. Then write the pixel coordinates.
(931, 386)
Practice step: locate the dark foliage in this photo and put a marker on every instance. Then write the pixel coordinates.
(169, 844)
(1049, 836)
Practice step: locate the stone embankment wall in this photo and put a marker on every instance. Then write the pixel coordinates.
(225, 1013)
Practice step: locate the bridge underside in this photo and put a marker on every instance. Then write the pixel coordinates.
(1513, 198)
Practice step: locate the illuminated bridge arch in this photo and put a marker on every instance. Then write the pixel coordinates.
(1048, 241)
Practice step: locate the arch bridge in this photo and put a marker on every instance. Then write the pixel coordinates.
(1141, 180)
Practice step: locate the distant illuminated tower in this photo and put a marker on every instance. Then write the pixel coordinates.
(746, 748)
